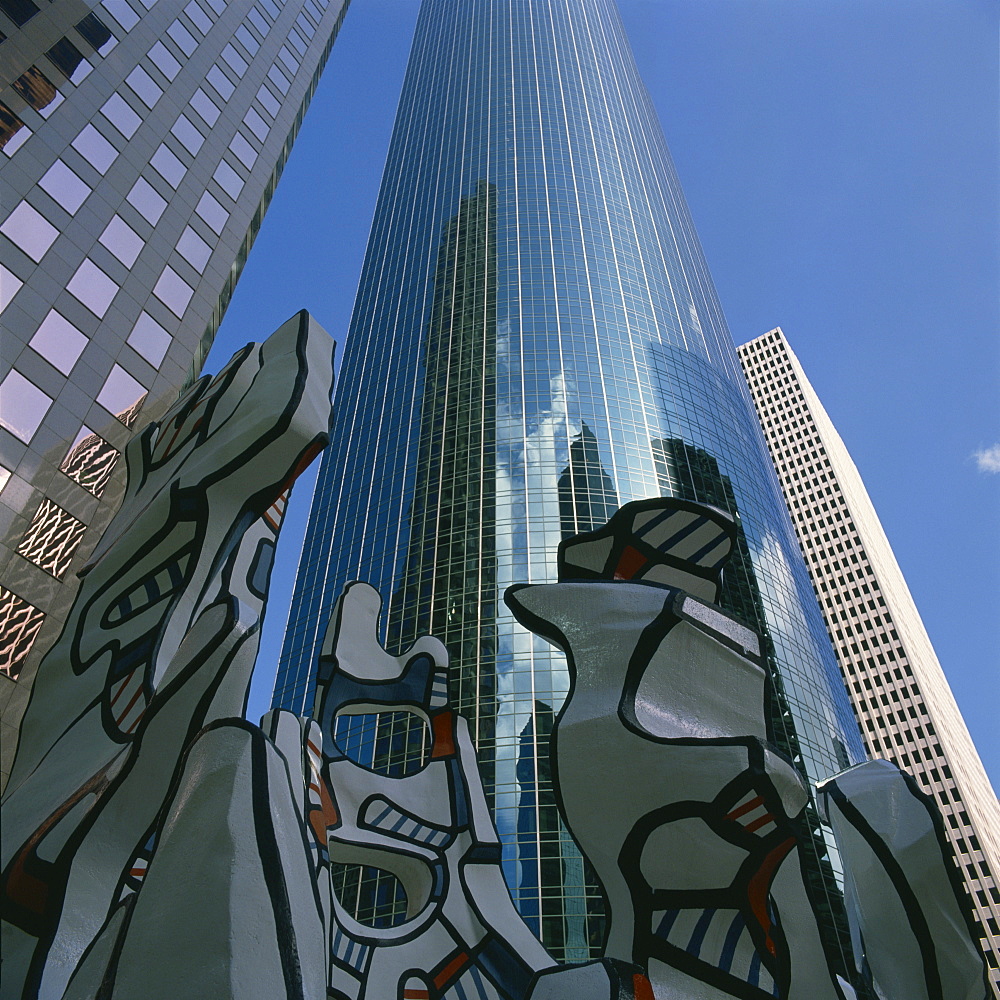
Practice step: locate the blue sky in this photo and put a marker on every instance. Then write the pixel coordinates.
(840, 161)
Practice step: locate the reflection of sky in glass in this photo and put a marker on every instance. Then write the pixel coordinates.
(531, 226)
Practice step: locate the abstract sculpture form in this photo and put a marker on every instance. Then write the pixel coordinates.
(700, 866)
(157, 845)
(904, 896)
(160, 642)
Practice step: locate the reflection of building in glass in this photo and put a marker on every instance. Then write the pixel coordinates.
(448, 582)
(607, 336)
(587, 496)
(140, 144)
(900, 694)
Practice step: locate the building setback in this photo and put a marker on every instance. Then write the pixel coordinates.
(536, 340)
(141, 144)
(904, 705)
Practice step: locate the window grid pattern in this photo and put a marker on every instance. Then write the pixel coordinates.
(92, 223)
(898, 691)
(534, 319)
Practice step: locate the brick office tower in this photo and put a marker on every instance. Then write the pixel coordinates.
(141, 144)
(904, 705)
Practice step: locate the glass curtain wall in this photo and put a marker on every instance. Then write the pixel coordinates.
(536, 340)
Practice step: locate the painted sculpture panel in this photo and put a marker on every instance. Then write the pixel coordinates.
(157, 845)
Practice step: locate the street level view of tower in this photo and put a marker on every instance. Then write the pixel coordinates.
(142, 142)
(900, 694)
(536, 341)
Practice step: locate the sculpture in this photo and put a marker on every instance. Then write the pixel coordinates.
(158, 845)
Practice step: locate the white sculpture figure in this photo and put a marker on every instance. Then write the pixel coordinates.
(160, 642)
(430, 827)
(661, 765)
(904, 899)
(157, 846)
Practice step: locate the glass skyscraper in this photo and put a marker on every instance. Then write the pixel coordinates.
(536, 340)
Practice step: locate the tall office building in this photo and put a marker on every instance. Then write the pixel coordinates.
(902, 699)
(536, 340)
(142, 141)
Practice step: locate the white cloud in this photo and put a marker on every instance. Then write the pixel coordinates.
(988, 459)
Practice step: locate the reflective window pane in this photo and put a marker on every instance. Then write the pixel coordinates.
(191, 139)
(212, 212)
(221, 82)
(149, 339)
(121, 12)
(95, 149)
(52, 538)
(122, 240)
(146, 201)
(145, 87)
(117, 111)
(269, 101)
(30, 230)
(173, 291)
(278, 79)
(10, 283)
(194, 249)
(64, 187)
(164, 61)
(95, 33)
(256, 124)
(205, 107)
(36, 88)
(58, 341)
(168, 166)
(22, 406)
(234, 60)
(229, 180)
(245, 37)
(257, 20)
(90, 461)
(92, 287)
(246, 154)
(184, 39)
(122, 395)
(198, 16)
(19, 624)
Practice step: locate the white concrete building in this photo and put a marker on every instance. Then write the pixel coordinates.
(899, 692)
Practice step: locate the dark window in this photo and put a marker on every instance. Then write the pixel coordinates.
(19, 11)
(93, 31)
(9, 125)
(65, 56)
(36, 88)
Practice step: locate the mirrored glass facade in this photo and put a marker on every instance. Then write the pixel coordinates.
(537, 340)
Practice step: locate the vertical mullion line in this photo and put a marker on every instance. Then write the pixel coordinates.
(405, 332)
(583, 241)
(486, 132)
(585, 42)
(624, 127)
(534, 672)
(630, 72)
